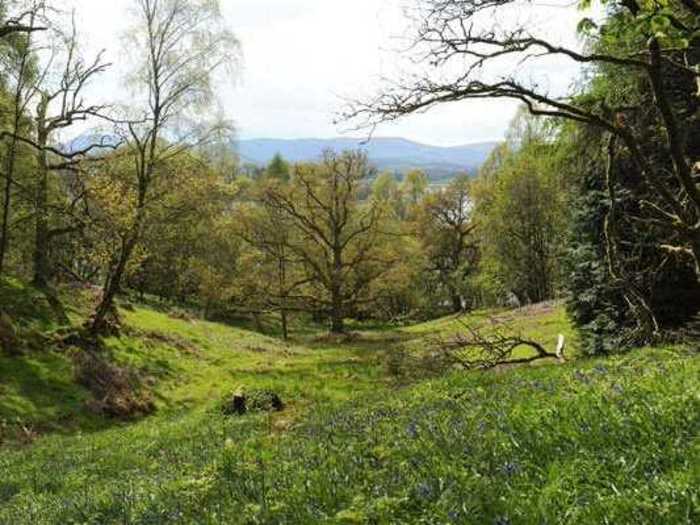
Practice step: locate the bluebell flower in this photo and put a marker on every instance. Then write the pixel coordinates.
(581, 376)
(412, 430)
(510, 469)
(424, 491)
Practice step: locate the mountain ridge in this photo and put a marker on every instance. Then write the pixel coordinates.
(396, 154)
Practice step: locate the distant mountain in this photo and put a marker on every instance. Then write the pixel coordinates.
(393, 154)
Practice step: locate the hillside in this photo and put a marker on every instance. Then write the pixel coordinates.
(368, 433)
(393, 154)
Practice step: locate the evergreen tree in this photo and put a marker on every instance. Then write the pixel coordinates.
(278, 168)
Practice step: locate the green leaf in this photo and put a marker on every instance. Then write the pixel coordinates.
(660, 23)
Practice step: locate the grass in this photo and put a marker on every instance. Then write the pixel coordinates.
(609, 440)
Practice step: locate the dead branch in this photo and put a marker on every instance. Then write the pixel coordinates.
(475, 348)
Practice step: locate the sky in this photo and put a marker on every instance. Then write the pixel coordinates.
(303, 58)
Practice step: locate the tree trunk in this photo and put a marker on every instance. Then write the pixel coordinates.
(337, 313)
(7, 194)
(111, 289)
(282, 275)
(12, 150)
(285, 327)
(635, 298)
(337, 322)
(456, 303)
(41, 237)
(41, 228)
(114, 280)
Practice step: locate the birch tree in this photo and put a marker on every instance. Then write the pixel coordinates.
(183, 45)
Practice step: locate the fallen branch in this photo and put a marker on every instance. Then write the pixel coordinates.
(474, 349)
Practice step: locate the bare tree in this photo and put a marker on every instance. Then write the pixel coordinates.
(185, 44)
(58, 108)
(462, 35)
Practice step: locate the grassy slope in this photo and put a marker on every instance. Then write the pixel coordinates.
(613, 439)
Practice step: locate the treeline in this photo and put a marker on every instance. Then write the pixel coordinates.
(155, 203)
(592, 198)
(87, 210)
(334, 240)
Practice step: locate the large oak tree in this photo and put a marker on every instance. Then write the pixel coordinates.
(337, 237)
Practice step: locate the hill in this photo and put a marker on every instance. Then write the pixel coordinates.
(363, 437)
(393, 154)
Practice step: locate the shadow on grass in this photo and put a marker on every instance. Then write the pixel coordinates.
(38, 392)
(25, 305)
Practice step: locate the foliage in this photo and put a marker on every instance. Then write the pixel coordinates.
(446, 226)
(278, 169)
(334, 235)
(520, 201)
(599, 301)
(415, 185)
(637, 97)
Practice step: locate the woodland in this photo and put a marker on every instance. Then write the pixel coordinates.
(188, 339)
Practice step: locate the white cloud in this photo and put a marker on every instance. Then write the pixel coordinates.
(302, 56)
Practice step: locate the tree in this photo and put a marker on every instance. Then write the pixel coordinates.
(385, 189)
(274, 274)
(658, 45)
(415, 185)
(21, 71)
(59, 107)
(520, 204)
(186, 257)
(336, 236)
(49, 78)
(600, 301)
(278, 168)
(185, 44)
(446, 229)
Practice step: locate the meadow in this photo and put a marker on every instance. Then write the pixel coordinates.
(369, 432)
